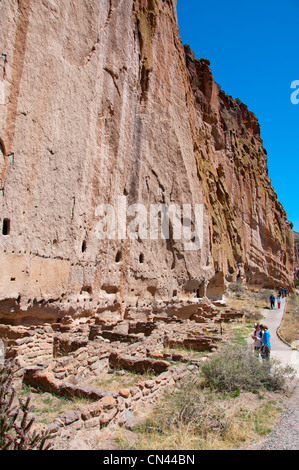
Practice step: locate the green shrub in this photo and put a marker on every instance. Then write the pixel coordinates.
(239, 367)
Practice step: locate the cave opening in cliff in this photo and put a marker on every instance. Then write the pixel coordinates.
(141, 258)
(86, 289)
(215, 288)
(200, 292)
(6, 227)
(118, 257)
(83, 247)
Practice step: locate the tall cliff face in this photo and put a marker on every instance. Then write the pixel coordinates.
(296, 249)
(249, 230)
(101, 104)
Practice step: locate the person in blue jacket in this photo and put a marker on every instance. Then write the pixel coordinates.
(266, 346)
(272, 301)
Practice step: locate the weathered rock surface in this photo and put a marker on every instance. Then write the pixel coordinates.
(100, 100)
(136, 364)
(296, 237)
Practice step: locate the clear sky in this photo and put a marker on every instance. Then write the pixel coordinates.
(253, 48)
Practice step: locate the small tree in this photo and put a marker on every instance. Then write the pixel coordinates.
(15, 423)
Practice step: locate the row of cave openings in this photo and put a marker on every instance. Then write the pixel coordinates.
(6, 231)
(118, 257)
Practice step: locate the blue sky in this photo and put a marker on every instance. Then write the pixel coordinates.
(253, 48)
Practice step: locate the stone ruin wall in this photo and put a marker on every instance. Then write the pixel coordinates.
(73, 359)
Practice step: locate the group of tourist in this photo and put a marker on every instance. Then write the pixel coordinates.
(261, 337)
(283, 292)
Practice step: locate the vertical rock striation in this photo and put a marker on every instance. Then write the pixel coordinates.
(99, 101)
(251, 238)
(296, 271)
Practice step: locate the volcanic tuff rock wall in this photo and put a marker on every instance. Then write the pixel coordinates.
(99, 99)
(296, 270)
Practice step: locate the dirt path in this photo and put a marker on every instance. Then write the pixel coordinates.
(285, 435)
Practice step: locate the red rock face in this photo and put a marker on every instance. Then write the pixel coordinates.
(99, 100)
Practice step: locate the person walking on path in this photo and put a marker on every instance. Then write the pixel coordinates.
(266, 344)
(285, 291)
(272, 301)
(278, 301)
(279, 350)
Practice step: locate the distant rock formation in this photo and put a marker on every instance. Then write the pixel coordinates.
(99, 101)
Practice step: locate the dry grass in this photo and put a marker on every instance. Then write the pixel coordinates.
(290, 324)
(118, 379)
(46, 407)
(249, 301)
(222, 423)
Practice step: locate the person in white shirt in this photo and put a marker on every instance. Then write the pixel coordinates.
(258, 338)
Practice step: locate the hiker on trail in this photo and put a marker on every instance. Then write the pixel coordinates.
(280, 292)
(258, 338)
(266, 344)
(285, 289)
(272, 301)
(278, 300)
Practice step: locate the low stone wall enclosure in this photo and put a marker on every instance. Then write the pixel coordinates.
(107, 406)
(76, 358)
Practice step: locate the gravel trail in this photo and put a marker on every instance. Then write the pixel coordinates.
(285, 435)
